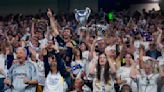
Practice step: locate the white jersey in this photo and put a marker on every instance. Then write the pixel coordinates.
(2, 65)
(85, 54)
(99, 87)
(137, 44)
(78, 67)
(54, 83)
(40, 71)
(147, 83)
(161, 60)
(43, 42)
(124, 73)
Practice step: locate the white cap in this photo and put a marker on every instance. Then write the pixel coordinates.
(111, 47)
(100, 38)
(145, 58)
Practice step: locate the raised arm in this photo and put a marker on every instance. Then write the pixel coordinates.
(159, 38)
(60, 63)
(132, 47)
(161, 70)
(32, 51)
(92, 50)
(112, 66)
(141, 53)
(53, 23)
(134, 72)
(33, 28)
(48, 31)
(62, 67)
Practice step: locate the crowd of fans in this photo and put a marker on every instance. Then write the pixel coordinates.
(47, 53)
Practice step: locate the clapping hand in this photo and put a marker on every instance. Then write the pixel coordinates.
(160, 30)
(7, 81)
(26, 80)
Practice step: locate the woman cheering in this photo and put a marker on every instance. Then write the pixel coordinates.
(104, 74)
(54, 81)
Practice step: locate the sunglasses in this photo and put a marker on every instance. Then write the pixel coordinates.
(53, 57)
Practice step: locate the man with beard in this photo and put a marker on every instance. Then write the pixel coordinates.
(67, 32)
(65, 41)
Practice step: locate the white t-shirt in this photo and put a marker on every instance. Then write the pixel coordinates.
(146, 45)
(43, 42)
(85, 54)
(111, 47)
(78, 67)
(98, 87)
(25, 36)
(33, 47)
(137, 44)
(161, 60)
(136, 54)
(88, 68)
(2, 65)
(124, 73)
(40, 71)
(54, 83)
(147, 83)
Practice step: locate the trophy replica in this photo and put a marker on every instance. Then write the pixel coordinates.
(82, 15)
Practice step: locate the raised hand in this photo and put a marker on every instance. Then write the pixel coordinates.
(160, 30)
(107, 52)
(53, 23)
(69, 45)
(32, 51)
(49, 13)
(55, 47)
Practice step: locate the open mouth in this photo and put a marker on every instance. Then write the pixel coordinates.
(102, 62)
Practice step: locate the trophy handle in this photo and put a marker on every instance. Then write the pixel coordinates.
(76, 14)
(88, 10)
(75, 10)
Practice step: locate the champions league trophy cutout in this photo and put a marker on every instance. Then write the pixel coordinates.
(82, 15)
